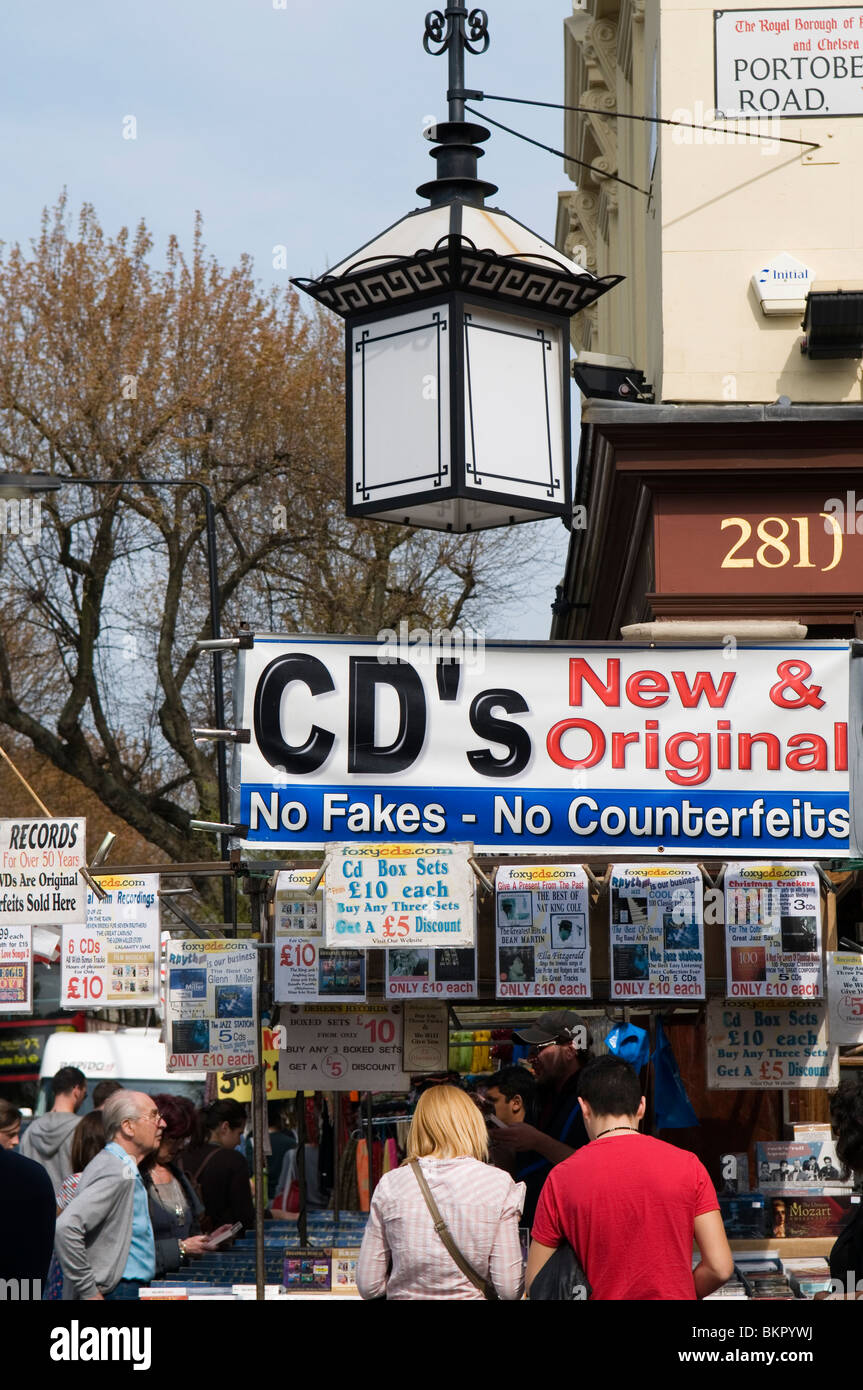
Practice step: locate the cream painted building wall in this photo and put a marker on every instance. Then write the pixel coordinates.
(715, 210)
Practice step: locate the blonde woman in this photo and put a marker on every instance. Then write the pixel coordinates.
(402, 1255)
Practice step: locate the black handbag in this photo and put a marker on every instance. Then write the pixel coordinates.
(561, 1279)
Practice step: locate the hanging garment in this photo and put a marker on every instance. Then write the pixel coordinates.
(349, 1197)
(671, 1103)
(363, 1174)
(391, 1156)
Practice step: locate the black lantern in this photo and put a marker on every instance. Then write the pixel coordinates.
(457, 342)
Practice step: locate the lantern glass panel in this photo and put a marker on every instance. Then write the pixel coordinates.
(514, 420)
(400, 416)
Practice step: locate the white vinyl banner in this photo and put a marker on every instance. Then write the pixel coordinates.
(845, 997)
(340, 1048)
(545, 746)
(113, 961)
(657, 931)
(39, 881)
(543, 936)
(306, 970)
(399, 896)
(417, 973)
(16, 970)
(773, 1047)
(801, 62)
(773, 931)
(211, 1005)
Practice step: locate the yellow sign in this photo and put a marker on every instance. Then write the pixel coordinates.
(239, 1086)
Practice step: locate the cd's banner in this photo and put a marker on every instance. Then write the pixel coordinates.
(735, 750)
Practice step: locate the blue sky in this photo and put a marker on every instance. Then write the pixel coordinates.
(297, 126)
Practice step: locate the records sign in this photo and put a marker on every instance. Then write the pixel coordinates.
(773, 931)
(543, 938)
(657, 932)
(39, 881)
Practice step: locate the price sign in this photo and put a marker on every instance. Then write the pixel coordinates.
(543, 937)
(211, 1006)
(774, 1047)
(447, 973)
(399, 895)
(845, 996)
(773, 931)
(657, 932)
(16, 970)
(306, 969)
(114, 960)
(341, 1048)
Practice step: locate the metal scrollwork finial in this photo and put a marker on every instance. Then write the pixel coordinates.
(434, 33)
(478, 26)
(441, 30)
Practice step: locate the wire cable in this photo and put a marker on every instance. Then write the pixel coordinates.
(570, 159)
(650, 120)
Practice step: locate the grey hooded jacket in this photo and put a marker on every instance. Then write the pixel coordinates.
(94, 1232)
(49, 1141)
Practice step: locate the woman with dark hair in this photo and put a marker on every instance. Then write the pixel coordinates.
(174, 1207)
(216, 1169)
(846, 1114)
(10, 1125)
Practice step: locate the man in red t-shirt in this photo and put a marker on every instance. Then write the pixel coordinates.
(630, 1205)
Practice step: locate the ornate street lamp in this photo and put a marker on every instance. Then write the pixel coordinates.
(457, 342)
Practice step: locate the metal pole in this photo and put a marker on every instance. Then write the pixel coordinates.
(456, 16)
(259, 1102)
(228, 891)
(370, 1140)
(302, 1215)
(337, 1116)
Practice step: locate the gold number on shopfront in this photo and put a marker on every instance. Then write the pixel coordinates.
(772, 532)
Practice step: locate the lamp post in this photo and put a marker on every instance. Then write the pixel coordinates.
(21, 485)
(457, 341)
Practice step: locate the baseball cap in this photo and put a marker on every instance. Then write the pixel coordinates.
(553, 1027)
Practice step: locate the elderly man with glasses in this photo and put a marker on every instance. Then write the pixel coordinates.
(104, 1238)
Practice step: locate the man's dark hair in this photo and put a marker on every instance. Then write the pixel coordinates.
(512, 1082)
(103, 1091)
(610, 1086)
(67, 1080)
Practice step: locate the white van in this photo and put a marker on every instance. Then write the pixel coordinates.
(133, 1056)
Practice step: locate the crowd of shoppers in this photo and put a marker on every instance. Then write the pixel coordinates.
(119, 1194)
(144, 1180)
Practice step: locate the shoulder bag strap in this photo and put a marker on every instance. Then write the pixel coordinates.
(484, 1285)
(212, 1154)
